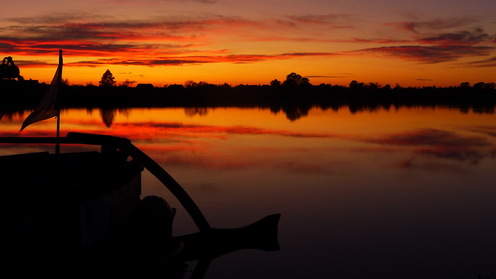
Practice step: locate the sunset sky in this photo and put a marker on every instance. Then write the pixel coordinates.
(410, 43)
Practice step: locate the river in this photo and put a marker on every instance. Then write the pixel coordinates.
(382, 193)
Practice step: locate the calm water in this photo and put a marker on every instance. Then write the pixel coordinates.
(406, 193)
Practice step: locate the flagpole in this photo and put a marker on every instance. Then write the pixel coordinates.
(49, 105)
(57, 143)
(57, 103)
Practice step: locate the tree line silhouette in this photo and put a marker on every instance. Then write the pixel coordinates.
(295, 95)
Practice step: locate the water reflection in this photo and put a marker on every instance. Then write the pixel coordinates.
(366, 192)
(108, 116)
(292, 112)
(446, 145)
(195, 111)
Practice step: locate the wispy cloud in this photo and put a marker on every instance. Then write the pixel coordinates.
(175, 41)
(345, 75)
(463, 37)
(490, 62)
(336, 21)
(430, 54)
(433, 25)
(178, 60)
(154, 2)
(159, 41)
(439, 40)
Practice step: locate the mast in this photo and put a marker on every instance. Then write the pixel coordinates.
(57, 103)
(57, 143)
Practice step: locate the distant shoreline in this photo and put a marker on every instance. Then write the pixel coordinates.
(25, 96)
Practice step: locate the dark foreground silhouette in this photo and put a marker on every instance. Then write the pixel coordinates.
(80, 213)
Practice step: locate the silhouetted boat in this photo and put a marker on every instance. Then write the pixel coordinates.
(82, 212)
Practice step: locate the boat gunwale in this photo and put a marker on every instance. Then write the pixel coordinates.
(124, 146)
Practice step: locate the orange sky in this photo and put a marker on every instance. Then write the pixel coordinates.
(164, 42)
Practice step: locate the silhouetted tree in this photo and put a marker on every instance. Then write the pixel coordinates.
(292, 80)
(190, 84)
(127, 83)
(204, 84)
(295, 80)
(483, 85)
(373, 86)
(356, 85)
(305, 82)
(107, 79)
(275, 83)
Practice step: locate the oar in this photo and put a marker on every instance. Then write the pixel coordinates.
(166, 256)
(261, 235)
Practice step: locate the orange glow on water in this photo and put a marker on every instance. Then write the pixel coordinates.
(144, 121)
(414, 167)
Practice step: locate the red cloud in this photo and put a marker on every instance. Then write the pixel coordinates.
(166, 41)
(430, 54)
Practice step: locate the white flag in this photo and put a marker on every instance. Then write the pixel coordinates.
(47, 107)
